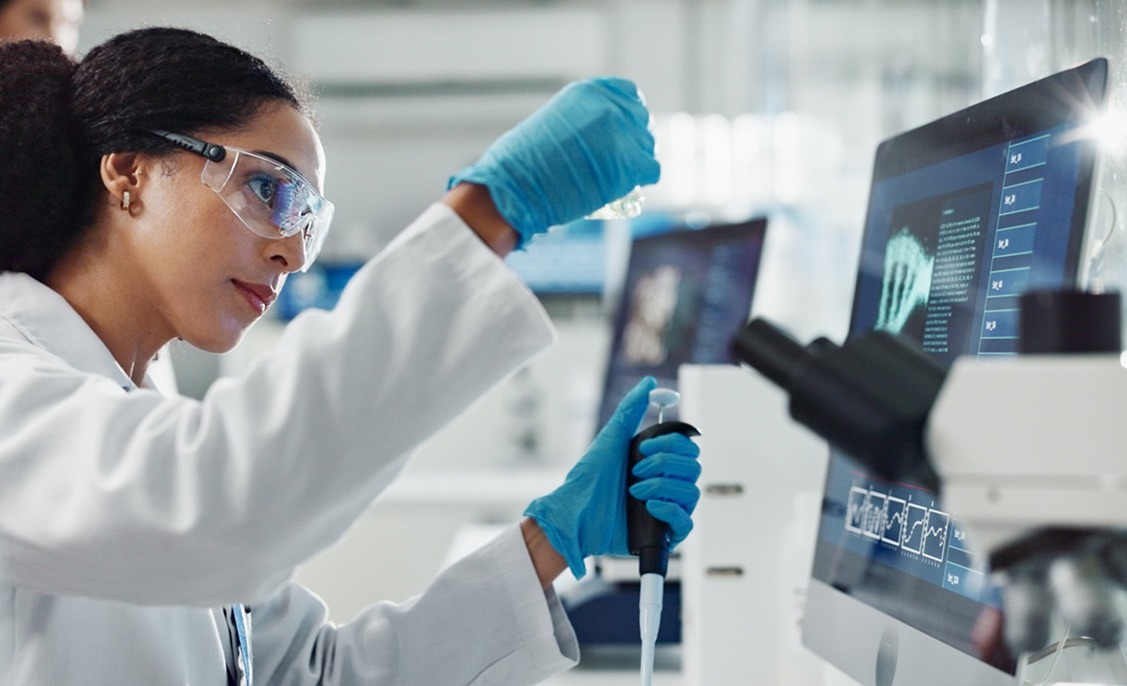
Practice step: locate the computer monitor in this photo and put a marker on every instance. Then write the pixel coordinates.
(964, 214)
(685, 294)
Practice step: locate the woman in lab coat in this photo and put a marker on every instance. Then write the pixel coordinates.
(162, 188)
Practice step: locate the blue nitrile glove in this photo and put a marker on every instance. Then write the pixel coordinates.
(586, 515)
(590, 144)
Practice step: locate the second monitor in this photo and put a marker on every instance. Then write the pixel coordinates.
(685, 294)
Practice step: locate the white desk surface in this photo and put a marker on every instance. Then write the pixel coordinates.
(620, 666)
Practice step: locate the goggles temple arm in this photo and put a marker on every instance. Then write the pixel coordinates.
(211, 151)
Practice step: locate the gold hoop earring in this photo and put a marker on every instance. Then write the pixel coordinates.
(125, 200)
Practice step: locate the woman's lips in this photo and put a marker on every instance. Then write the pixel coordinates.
(258, 296)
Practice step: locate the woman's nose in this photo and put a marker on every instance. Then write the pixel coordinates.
(289, 252)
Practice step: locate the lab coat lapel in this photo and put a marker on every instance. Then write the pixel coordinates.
(49, 322)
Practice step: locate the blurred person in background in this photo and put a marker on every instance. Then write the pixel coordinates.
(57, 21)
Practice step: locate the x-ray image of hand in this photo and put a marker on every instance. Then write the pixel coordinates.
(907, 281)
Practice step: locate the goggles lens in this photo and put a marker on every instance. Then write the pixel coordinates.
(271, 199)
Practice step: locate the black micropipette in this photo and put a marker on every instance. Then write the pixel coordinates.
(648, 537)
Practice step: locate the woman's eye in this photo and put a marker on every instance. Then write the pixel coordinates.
(263, 187)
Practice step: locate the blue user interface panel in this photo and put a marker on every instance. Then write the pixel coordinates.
(964, 215)
(952, 265)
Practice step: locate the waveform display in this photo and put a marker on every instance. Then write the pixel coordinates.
(895, 520)
(935, 534)
(912, 527)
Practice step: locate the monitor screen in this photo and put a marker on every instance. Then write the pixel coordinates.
(964, 214)
(685, 294)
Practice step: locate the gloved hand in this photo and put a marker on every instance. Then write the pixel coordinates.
(586, 515)
(590, 144)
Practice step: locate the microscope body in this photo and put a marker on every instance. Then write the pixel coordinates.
(1028, 452)
(1024, 443)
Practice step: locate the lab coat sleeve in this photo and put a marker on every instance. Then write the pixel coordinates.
(483, 621)
(146, 499)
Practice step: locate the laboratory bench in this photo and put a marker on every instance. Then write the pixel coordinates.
(620, 666)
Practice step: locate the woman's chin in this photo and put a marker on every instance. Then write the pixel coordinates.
(218, 341)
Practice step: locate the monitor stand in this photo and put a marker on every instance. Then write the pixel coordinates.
(887, 655)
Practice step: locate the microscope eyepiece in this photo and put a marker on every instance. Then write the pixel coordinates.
(869, 397)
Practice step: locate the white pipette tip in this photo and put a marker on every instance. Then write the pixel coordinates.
(653, 585)
(649, 621)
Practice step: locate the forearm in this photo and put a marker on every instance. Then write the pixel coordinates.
(485, 616)
(547, 562)
(474, 205)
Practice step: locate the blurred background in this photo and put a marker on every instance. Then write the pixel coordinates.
(761, 108)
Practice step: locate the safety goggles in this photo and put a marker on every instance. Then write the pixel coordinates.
(269, 197)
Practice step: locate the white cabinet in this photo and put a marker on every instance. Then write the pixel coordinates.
(745, 565)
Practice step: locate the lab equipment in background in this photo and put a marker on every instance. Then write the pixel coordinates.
(746, 567)
(648, 538)
(318, 287)
(965, 214)
(1027, 451)
(686, 293)
(568, 261)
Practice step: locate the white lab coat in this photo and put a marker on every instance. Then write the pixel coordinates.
(128, 519)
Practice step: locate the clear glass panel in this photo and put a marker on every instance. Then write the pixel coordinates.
(1025, 40)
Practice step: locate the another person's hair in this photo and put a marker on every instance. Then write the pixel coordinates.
(59, 117)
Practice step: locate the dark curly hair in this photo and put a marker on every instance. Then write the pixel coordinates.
(58, 118)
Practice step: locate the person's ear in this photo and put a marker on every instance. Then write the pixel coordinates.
(121, 175)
